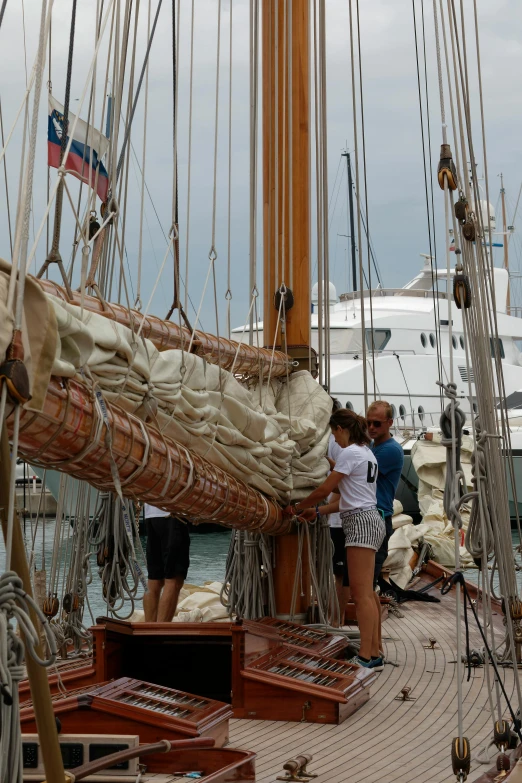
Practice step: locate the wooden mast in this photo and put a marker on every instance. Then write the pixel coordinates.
(505, 235)
(286, 227)
(286, 168)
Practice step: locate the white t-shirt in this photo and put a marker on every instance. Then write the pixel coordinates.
(152, 511)
(358, 486)
(334, 520)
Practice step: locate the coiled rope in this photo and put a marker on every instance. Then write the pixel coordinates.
(15, 605)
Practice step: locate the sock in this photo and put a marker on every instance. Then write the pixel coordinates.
(366, 660)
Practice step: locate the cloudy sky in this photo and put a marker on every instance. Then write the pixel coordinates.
(397, 207)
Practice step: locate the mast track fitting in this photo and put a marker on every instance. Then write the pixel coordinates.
(13, 371)
(446, 170)
(461, 291)
(461, 757)
(286, 295)
(303, 357)
(461, 209)
(468, 230)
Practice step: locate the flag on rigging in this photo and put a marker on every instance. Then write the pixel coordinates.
(88, 146)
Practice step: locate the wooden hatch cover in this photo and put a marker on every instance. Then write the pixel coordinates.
(290, 633)
(129, 706)
(298, 685)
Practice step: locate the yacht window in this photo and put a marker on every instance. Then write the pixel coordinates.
(420, 411)
(462, 342)
(454, 341)
(342, 341)
(381, 338)
(500, 347)
(394, 412)
(349, 406)
(402, 411)
(423, 340)
(432, 340)
(513, 400)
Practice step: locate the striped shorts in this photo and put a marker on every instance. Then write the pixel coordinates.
(363, 528)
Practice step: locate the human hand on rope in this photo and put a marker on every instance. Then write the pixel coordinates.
(304, 515)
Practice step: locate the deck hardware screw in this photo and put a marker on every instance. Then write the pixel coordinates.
(306, 706)
(294, 771)
(303, 759)
(432, 644)
(404, 695)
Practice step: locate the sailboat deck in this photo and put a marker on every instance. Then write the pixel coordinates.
(389, 741)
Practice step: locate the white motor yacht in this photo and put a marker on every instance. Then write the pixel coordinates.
(405, 350)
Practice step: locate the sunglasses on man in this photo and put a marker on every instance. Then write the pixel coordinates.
(374, 423)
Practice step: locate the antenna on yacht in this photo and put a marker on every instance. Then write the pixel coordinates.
(427, 258)
(505, 240)
(351, 216)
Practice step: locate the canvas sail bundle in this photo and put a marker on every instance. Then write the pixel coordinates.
(272, 437)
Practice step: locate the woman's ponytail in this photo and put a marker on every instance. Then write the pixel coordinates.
(356, 426)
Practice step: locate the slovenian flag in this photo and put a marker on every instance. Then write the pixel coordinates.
(88, 146)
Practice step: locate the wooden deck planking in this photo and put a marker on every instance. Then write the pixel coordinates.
(388, 741)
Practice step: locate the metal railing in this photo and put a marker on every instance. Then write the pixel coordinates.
(423, 294)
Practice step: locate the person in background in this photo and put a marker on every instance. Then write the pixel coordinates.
(355, 475)
(168, 546)
(340, 567)
(390, 459)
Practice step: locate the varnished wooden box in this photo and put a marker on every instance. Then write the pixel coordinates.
(129, 706)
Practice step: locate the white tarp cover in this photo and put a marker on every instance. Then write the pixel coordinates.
(429, 460)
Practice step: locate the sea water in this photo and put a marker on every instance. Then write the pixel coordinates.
(208, 555)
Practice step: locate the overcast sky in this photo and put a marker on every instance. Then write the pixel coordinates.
(397, 209)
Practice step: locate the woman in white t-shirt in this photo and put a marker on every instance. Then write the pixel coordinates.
(355, 478)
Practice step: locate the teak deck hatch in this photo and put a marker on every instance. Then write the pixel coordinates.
(129, 706)
(298, 635)
(305, 686)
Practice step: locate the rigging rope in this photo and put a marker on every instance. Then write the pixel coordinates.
(137, 93)
(357, 194)
(365, 179)
(15, 608)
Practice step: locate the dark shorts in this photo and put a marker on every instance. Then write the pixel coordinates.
(382, 552)
(168, 545)
(340, 567)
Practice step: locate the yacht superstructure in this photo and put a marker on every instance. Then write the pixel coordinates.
(410, 346)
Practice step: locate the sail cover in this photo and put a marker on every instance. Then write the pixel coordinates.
(87, 149)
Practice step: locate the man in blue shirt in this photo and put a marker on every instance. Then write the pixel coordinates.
(390, 459)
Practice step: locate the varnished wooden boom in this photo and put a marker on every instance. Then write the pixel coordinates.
(68, 435)
(250, 361)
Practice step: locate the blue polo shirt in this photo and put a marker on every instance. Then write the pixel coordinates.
(390, 459)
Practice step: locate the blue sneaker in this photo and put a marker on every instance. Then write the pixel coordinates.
(359, 662)
(377, 664)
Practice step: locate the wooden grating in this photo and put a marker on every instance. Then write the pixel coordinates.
(158, 699)
(130, 706)
(298, 635)
(333, 679)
